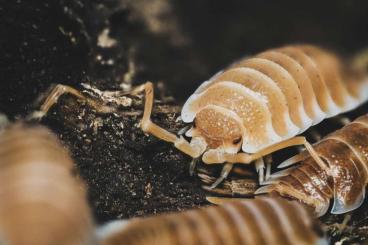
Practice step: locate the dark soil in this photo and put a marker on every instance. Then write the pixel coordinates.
(127, 173)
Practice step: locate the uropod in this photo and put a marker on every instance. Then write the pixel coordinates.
(260, 104)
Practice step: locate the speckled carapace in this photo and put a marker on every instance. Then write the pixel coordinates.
(271, 97)
(260, 104)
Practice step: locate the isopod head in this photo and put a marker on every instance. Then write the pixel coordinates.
(219, 128)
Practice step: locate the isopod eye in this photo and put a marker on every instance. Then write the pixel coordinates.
(237, 140)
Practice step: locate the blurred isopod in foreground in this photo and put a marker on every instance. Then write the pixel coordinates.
(40, 201)
(257, 221)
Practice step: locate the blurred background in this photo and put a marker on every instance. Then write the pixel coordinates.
(118, 43)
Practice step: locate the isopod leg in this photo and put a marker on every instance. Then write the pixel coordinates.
(293, 160)
(222, 200)
(224, 173)
(340, 227)
(347, 218)
(260, 166)
(192, 166)
(268, 160)
(183, 130)
(245, 158)
(149, 127)
(54, 96)
(263, 175)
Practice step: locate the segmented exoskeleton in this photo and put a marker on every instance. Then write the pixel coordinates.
(257, 105)
(40, 201)
(257, 221)
(343, 177)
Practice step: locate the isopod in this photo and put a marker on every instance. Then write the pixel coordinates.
(41, 202)
(257, 221)
(343, 177)
(257, 106)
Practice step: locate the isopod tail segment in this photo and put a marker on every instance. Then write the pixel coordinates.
(198, 146)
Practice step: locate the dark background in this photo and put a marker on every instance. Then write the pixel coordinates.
(45, 42)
